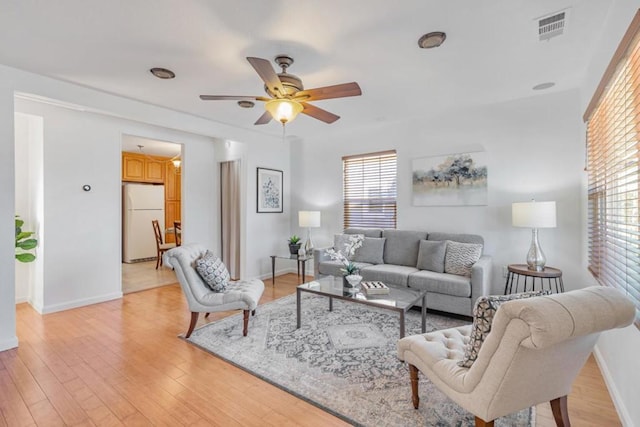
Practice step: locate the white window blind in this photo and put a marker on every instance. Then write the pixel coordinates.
(370, 190)
(613, 131)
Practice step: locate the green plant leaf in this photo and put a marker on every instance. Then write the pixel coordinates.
(27, 244)
(19, 223)
(23, 235)
(25, 257)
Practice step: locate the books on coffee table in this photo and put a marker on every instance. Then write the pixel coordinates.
(374, 288)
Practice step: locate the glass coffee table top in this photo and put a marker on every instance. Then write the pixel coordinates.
(398, 299)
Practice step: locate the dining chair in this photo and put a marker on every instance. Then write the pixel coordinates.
(177, 230)
(161, 247)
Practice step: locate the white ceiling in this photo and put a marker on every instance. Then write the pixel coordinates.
(491, 53)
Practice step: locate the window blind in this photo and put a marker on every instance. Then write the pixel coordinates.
(613, 148)
(370, 190)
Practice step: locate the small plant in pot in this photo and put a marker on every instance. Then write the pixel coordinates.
(294, 244)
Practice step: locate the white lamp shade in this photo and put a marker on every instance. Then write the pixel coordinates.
(309, 219)
(534, 214)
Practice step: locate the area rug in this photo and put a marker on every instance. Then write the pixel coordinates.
(344, 361)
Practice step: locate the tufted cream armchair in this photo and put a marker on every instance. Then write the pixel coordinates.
(243, 295)
(533, 353)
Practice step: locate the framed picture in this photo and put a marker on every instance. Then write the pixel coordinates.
(451, 180)
(269, 190)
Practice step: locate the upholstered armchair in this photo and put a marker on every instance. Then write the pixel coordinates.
(532, 355)
(242, 295)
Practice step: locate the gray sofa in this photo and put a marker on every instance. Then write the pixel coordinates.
(392, 257)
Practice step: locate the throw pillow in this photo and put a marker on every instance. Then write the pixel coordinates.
(213, 272)
(483, 314)
(431, 255)
(371, 250)
(460, 257)
(340, 241)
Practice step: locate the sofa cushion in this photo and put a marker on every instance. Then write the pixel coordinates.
(431, 255)
(333, 267)
(457, 237)
(483, 313)
(371, 251)
(460, 257)
(367, 232)
(212, 271)
(388, 273)
(401, 247)
(441, 283)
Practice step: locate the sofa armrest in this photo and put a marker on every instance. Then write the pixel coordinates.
(319, 255)
(481, 273)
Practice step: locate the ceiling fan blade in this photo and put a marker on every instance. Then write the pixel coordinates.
(232, 98)
(268, 75)
(318, 113)
(264, 119)
(329, 92)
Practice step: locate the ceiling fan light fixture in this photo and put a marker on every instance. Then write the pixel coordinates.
(283, 110)
(431, 40)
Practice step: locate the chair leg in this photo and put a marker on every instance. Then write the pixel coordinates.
(194, 320)
(560, 411)
(157, 260)
(245, 327)
(482, 423)
(413, 374)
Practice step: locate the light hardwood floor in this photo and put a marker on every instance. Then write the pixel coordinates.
(140, 276)
(121, 363)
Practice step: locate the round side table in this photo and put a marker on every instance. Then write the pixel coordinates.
(553, 276)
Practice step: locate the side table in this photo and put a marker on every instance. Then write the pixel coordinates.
(516, 271)
(300, 260)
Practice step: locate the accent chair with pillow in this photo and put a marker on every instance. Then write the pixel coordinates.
(529, 352)
(451, 267)
(205, 282)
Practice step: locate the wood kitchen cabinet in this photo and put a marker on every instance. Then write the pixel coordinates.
(141, 168)
(172, 195)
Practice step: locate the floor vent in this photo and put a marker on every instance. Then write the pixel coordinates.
(552, 25)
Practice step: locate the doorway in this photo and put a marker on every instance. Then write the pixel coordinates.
(151, 191)
(230, 215)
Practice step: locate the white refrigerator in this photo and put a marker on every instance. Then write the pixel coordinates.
(142, 203)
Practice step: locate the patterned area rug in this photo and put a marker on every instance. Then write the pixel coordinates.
(344, 361)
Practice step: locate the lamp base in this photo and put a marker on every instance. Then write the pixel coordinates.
(308, 245)
(535, 257)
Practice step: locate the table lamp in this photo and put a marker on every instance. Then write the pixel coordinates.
(309, 219)
(534, 215)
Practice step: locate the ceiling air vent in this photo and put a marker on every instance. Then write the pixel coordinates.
(552, 25)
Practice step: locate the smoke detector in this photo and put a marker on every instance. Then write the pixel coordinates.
(552, 25)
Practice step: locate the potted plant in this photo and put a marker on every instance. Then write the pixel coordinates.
(294, 244)
(24, 243)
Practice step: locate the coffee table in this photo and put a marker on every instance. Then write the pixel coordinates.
(398, 299)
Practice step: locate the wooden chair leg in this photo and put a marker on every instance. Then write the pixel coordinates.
(482, 423)
(194, 320)
(245, 328)
(413, 374)
(207, 315)
(253, 313)
(560, 411)
(157, 260)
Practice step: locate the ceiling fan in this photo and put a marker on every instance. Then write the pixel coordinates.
(287, 96)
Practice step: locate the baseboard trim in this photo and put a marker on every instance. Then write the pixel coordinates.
(20, 300)
(80, 303)
(267, 276)
(625, 418)
(9, 344)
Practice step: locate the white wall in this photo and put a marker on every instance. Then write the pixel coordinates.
(534, 149)
(617, 351)
(263, 234)
(95, 146)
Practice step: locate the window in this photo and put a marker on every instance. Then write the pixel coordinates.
(370, 190)
(613, 149)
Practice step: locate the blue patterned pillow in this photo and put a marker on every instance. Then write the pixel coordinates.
(213, 272)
